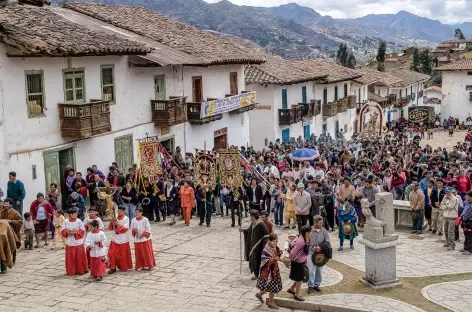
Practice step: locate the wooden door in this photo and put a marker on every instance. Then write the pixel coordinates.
(233, 79)
(52, 170)
(306, 131)
(284, 99)
(286, 135)
(124, 152)
(160, 87)
(304, 97)
(197, 89)
(221, 142)
(66, 157)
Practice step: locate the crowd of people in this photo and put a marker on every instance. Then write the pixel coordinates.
(315, 196)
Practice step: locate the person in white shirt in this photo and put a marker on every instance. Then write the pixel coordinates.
(73, 231)
(143, 251)
(95, 242)
(119, 253)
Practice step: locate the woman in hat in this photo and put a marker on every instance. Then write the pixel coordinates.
(347, 219)
(269, 279)
(41, 212)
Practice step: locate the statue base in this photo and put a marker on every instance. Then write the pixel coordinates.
(381, 262)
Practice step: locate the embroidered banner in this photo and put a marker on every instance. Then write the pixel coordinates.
(229, 162)
(205, 168)
(149, 160)
(215, 107)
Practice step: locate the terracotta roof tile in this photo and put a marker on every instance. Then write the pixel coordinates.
(434, 88)
(183, 37)
(375, 97)
(408, 77)
(37, 30)
(370, 76)
(335, 72)
(460, 65)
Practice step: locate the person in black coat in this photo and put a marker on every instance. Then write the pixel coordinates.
(255, 195)
(145, 198)
(235, 195)
(172, 200)
(93, 191)
(437, 195)
(115, 179)
(203, 197)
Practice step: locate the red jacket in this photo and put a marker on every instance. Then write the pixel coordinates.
(398, 181)
(48, 208)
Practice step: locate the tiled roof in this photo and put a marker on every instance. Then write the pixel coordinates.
(38, 31)
(457, 41)
(370, 76)
(444, 59)
(460, 65)
(375, 97)
(434, 88)
(408, 77)
(280, 71)
(39, 3)
(211, 48)
(335, 72)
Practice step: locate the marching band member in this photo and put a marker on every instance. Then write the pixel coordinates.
(95, 242)
(141, 230)
(119, 252)
(73, 231)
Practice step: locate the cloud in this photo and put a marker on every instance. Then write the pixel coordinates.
(446, 11)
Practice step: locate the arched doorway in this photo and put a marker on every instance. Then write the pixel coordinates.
(371, 118)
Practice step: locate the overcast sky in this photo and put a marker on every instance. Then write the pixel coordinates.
(446, 11)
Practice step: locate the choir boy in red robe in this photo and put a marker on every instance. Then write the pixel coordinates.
(96, 244)
(73, 231)
(92, 215)
(119, 252)
(141, 230)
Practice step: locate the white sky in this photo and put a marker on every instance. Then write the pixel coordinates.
(446, 11)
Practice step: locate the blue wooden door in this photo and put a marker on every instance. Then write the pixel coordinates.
(389, 116)
(306, 131)
(286, 135)
(304, 100)
(284, 99)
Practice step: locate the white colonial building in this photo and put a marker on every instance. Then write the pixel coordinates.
(432, 97)
(456, 90)
(301, 98)
(84, 92)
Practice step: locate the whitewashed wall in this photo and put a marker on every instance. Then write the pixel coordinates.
(456, 101)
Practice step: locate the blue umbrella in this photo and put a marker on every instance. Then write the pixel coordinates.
(303, 154)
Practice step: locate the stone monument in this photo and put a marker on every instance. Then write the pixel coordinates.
(380, 243)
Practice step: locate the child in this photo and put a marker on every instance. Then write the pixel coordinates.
(28, 230)
(119, 252)
(92, 216)
(57, 222)
(141, 231)
(95, 243)
(73, 231)
(288, 246)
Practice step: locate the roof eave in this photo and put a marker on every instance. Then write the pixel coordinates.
(74, 54)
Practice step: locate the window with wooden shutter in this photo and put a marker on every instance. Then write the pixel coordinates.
(197, 89)
(233, 79)
(345, 90)
(336, 93)
(160, 87)
(35, 93)
(74, 86)
(284, 99)
(325, 96)
(108, 83)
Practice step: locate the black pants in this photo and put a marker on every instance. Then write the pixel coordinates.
(235, 209)
(468, 241)
(311, 221)
(330, 215)
(205, 209)
(301, 220)
(456, 233)
(160, 207)
(148, 211)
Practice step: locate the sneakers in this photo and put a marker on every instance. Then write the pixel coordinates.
(310, 290)
(317, 288)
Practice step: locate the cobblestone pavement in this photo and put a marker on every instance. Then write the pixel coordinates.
(443, 140)
(365, 302)
(415, 256)
(197, 270)
(454, 295)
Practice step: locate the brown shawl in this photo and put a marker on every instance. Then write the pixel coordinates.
(8, 243)
(15, 221)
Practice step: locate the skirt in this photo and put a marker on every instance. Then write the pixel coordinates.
(273, 286)
(297, 271)
(42, 226)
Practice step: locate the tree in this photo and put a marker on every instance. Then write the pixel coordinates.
(381, 56)
(458, 34)
(351, 61)
(426, 61)
(342, 55)
(415, 65)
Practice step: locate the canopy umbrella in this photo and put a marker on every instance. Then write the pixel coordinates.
(303, 154)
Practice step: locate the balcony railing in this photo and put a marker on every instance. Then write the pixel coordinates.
(330, 109)
(193, 114)
(80, 121)
(351, 101)
(288, 116)
(166, 113)
(343, 103)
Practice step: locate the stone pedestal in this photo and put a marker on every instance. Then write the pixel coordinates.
(381, 263)
(385, 212)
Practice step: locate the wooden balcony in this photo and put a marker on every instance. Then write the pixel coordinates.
(401, 102)
(343, 102)
(317, 107)
(80, 121)
(351, 101)
(288, 116)
(193, 114)
(330, 109)
(166, 113)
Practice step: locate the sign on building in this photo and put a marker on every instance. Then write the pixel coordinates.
(419, 114)
(215, 107)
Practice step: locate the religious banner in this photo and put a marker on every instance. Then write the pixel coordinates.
(215, 107)
(149, 160)
(230, 167)
(205, 168)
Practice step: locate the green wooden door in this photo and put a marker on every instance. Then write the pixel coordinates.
(124, 152)
(160, 87)
(52, 170)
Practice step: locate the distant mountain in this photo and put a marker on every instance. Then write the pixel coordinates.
(290, 30)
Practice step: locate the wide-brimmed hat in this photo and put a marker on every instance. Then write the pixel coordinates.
(292, 234)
